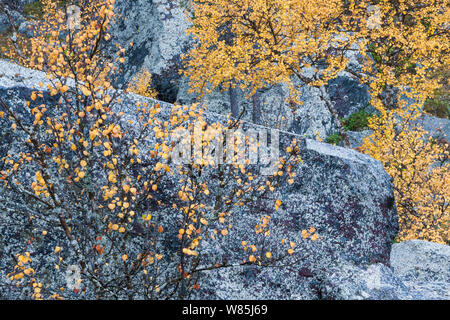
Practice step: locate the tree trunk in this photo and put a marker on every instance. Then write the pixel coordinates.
(234, 102)
(256, 108)
(326, 98)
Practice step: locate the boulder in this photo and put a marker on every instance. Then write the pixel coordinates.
(424, 267)
(375, 282)
(418, 260)
(419, 271)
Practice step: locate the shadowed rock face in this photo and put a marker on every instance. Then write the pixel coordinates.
(348, 95)
(157, 31)
(346, 196)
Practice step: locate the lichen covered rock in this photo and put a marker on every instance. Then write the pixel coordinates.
(424, 267)
(345, 196)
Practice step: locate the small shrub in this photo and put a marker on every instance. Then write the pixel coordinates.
(438, 107)
(141, 85)
(335, 139)
(419, 168)
(34, 9)
(438, 104)
(357, 121)
(372, 49)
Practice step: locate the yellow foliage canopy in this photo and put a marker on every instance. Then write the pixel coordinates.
(141, 85)
(419, 168)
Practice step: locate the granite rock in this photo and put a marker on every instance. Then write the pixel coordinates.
(345, 195)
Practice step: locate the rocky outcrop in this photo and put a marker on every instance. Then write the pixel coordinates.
(346, 196)
(154, 36)
(420, 270)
